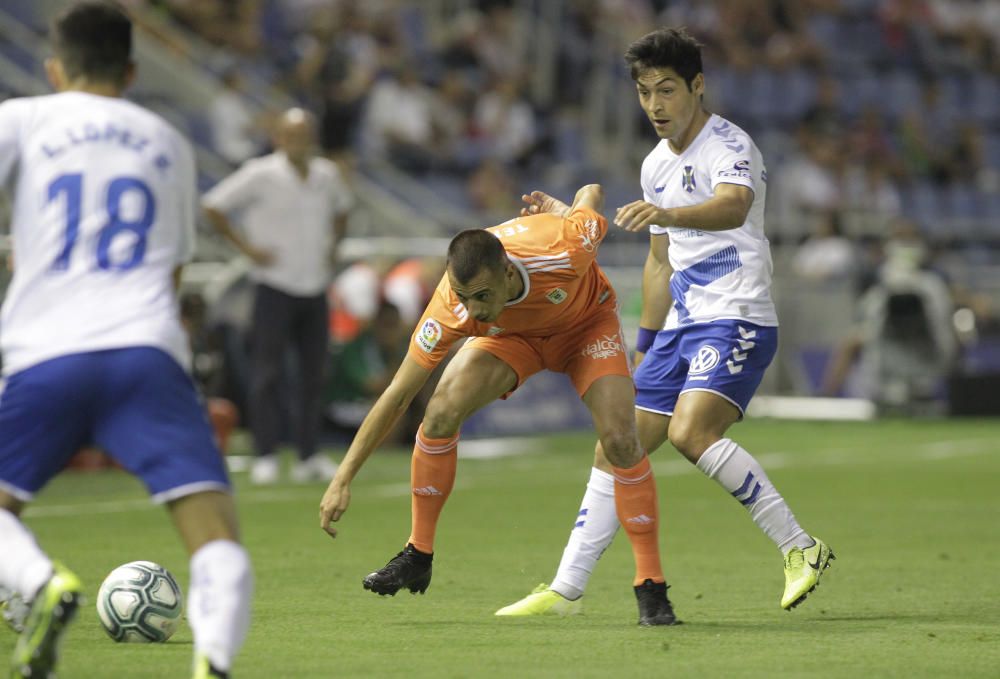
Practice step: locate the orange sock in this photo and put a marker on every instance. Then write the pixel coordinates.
(432, 476)
(639, 514)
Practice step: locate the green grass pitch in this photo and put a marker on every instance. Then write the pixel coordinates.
(910, 508)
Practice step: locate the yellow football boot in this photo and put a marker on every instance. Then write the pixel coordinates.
(803, 568)
(543, 601)
(53, 608)
(203, 669)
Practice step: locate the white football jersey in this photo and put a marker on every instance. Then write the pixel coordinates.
(717, 274)
(103, 212)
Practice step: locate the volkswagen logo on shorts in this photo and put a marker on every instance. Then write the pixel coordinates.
(705, 360)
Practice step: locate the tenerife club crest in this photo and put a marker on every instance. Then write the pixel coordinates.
(687, 181)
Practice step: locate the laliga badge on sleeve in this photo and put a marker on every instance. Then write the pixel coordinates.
(429, 335)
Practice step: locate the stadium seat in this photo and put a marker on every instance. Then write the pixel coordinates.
(859, 44)
(199, 129)
(797, 93)
(25, 60)
(765, 100)
(901, 93)
(991, 224)
(448, 189)
(823, 29)
(865, 90)
(28, 12)
(921, 202)
(984, 98)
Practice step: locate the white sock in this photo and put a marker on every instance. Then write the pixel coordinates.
(24, 567)
(219, 600)
(742, 476)
(596, 525)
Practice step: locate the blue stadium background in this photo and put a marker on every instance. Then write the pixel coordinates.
(879, 121)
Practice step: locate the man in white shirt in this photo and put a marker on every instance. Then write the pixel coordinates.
(708, 328)
(94, 351)
(292, 206)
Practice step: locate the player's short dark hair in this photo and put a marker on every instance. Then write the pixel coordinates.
(472, 251)
(665, 48)
(93, 39)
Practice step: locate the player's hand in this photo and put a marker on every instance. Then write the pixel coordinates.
(538, 202)
(333, 505)
(638, 215)
(261, 256)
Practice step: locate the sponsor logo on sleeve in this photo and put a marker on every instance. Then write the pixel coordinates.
(429, 335)
(741, 169)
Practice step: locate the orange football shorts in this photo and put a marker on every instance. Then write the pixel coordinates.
(585, 352)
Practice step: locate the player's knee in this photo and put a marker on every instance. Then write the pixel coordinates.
(621, 448)
(441, 419)
(689, 440)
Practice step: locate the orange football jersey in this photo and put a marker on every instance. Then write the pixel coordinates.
(563, 285)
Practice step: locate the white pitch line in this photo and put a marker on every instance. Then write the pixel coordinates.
(139, 504)
(255, 496)
(490, 448)
(482, 449)
(101, 507)
(943, 450)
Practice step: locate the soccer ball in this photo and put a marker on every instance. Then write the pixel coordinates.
(139, 602)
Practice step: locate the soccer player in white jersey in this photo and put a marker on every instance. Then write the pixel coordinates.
(93, 349)
(708, 328)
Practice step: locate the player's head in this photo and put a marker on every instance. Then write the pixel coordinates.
(666, 67)
(480, 273)
(92, 41)
(296, 134)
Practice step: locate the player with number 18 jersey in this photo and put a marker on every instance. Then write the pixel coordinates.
(94, 353)
(104, 198)
(104, 202)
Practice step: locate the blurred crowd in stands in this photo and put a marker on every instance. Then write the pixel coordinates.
(872, 108)
(878, 119)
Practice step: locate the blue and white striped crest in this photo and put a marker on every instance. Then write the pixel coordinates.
(687, 181)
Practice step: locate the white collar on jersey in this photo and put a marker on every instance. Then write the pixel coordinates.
(524, 277)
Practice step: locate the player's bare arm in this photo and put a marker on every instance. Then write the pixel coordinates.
(220, 222)
(380, 420)
(656, 299)
(590, 196)
(538, 202)
(726, 209)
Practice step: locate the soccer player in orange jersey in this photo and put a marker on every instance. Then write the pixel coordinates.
(531, 296)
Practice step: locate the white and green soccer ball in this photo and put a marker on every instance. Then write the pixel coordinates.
(140, 602)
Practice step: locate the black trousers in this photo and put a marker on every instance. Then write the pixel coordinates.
(282, 321)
